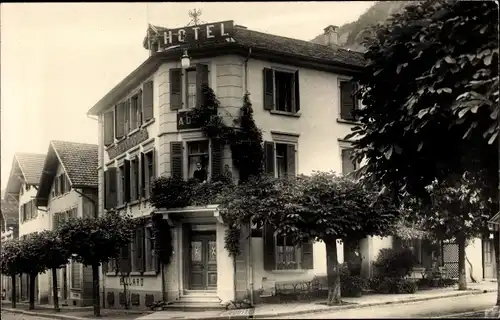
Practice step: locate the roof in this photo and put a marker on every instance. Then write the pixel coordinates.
(283, 45)
(320, 55)
(79, 161)
(27, 168)
(495, 219)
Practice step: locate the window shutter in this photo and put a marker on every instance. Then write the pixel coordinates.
(297, 91)
(126, 187)
(201, 79)
(120, 120)
(21, 213)
(56, 186)
(140, 239)
(128, 125)
(106, 190)
(346, 100)
(125, 261)
(109, 128)
(176, 159)
(269, 248)
(112, 179)
(268, 89)
(175, 88)
(142, 179)
(216, 160)
(139, 107)
(269, 157)
(153, 174)
(290, 154)
(307, 255)
(347, 163)
(147, 101)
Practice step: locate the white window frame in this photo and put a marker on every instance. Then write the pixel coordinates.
(339, 98)
(295, 84)
(285, 138)
(298, 256)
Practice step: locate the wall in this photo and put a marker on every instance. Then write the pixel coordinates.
(474, 253)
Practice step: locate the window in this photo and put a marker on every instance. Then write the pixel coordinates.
(198, 160)
(191, 88)
(150, 255)
(134, 179)
(348, 102)
(281, 91)
(135, 116)
(348, 165)
(288, 256)
(280, 159)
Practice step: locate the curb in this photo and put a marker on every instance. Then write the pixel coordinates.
(251, 314)
(368, 305)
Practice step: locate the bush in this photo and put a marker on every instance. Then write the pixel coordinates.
(436, 283)
(352, 286)
(393, 285)
(397, 263)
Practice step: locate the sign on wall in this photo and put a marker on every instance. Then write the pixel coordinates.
(197, 34)
(128, 143)
(185, 121)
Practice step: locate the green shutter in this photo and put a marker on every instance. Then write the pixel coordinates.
(346, 100)
(269, 157)
(307, 255)
(290, 154)
(148, 101)
(176, 159)
(297, 91)
(216, 160)
(269, 248)
(201, 79)
(126, 187)
(109, 128)
(175, 88)
(268, 89)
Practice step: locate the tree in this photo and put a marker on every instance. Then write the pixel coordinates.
(54, 256)
(321, 207)
(93, 241)
(458, 212)
(32, 251)
(10, 264)
(430, 96)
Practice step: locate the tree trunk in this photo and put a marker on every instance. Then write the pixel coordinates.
(462, 278)
(32, 291)
(13, 298)
(332, 273)
(496, 246)
(54, 290)
(95, 290)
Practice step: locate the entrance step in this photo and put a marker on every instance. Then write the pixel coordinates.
(197, 300)
(200, 293)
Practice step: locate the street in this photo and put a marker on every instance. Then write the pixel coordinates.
(18, 316)
(430, 308)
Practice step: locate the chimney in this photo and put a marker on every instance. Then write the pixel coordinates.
(331, 36)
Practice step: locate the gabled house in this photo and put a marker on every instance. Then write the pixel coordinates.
(21, 189)
(68, 188)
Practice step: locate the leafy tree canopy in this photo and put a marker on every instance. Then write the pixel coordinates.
(95, 240)
(10, 257)
(32, 250)
(430, 91)
(54, 255)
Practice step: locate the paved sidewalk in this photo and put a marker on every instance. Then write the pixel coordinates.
(261, 311)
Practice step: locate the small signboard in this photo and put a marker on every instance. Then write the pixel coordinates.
(198, 34)
(128, 143)
(185, 121)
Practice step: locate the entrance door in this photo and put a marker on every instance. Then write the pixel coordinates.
(490, 270)
(203, 261)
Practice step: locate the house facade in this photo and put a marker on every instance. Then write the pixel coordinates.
(9, 229)
(300, 94)
(21, 188)
(68, 189)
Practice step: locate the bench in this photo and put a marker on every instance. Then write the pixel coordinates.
(297, 290)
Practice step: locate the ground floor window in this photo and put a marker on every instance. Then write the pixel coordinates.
(288, 256)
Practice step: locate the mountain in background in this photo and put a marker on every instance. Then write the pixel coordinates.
(351, 35)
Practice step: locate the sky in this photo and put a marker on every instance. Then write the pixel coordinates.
(58, 59)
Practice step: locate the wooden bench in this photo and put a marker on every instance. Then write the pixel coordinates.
(297, 289)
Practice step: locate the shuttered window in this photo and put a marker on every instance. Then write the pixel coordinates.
(148, 171)
(175, 78)
(280, 159)
(147, 100)
(281, 90)
(348, 164)
(348, 102)
(109, 128)
(110, 186)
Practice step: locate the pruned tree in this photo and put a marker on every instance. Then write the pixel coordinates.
(94, 241)
(321, 207)
(32, 251)
(11, 264)
(54, 256)
(430, 96)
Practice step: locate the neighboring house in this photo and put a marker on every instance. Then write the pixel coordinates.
(68, 188)
(302, 101)
(22, 187)
(9, 229)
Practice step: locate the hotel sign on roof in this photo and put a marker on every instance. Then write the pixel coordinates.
(202, 33)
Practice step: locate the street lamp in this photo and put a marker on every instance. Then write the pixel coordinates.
(185, 60)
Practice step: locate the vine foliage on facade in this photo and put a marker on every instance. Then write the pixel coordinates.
(245, 142)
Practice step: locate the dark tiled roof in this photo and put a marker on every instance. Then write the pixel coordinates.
(31, 165)
(294, 47)
(79, 161)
